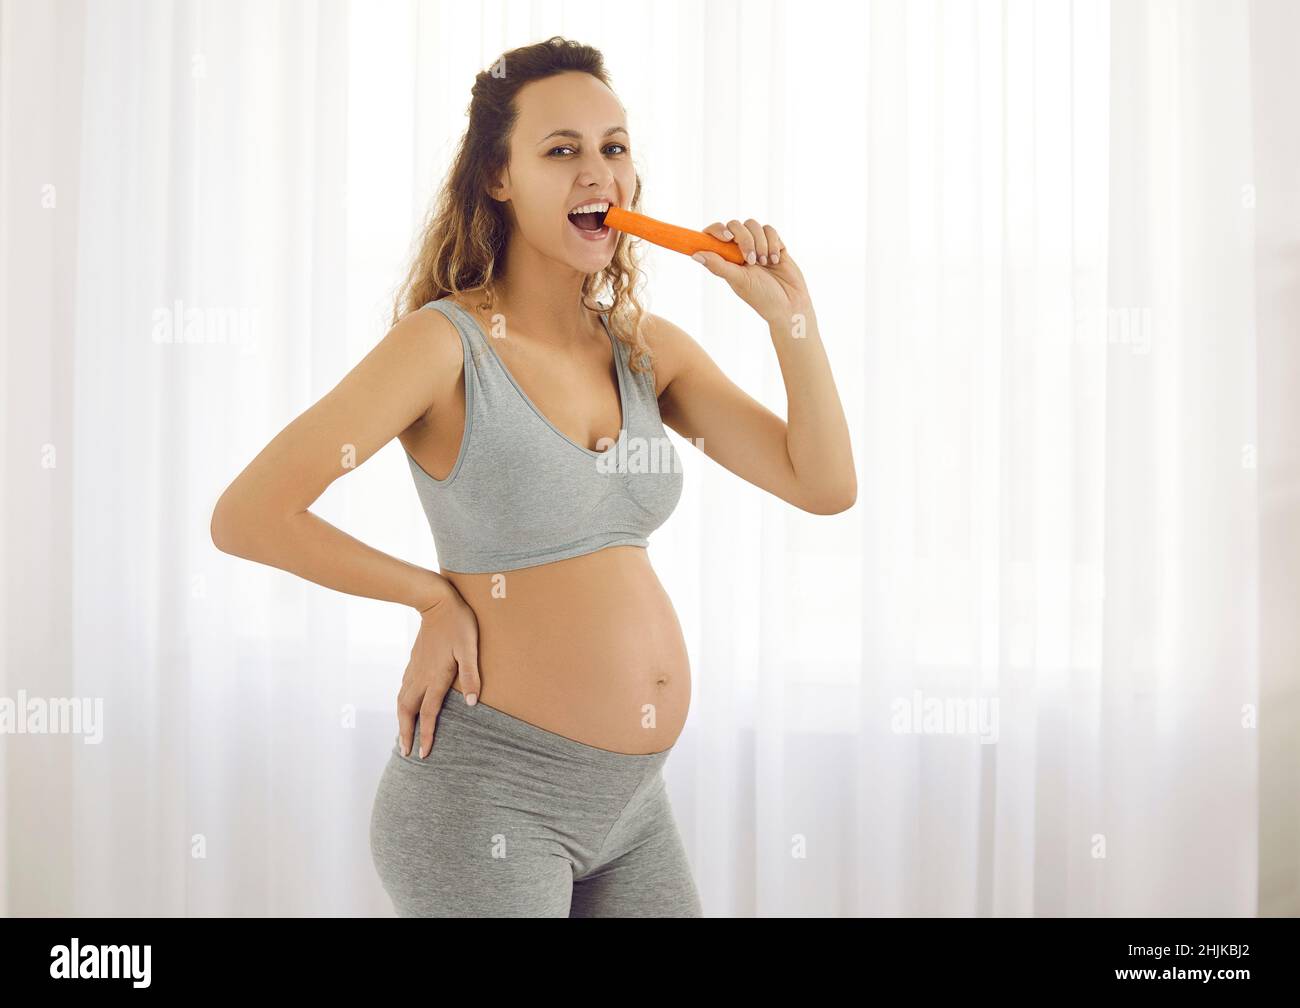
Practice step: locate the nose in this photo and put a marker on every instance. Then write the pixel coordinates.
(596, 174)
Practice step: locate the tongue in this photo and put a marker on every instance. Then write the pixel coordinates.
(586, 221)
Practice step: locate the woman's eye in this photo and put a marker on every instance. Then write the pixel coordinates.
(621, 147)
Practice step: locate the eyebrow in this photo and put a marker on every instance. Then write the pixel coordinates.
(578, 136)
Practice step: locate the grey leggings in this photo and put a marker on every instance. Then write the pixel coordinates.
(505, 819)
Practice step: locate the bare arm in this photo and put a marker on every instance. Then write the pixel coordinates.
(807, 461)
(263, 515)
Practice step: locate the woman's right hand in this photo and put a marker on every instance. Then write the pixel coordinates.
(447, 642)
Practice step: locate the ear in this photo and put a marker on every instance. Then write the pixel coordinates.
(499, 191)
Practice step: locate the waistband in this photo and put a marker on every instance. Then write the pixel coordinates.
(454, 708)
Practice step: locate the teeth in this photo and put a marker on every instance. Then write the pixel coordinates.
(590, 208)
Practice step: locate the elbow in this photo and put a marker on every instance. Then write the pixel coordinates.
(231, 527)
(222, 527)
(834, 503)
(249, 524)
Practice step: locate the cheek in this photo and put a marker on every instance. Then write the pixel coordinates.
(533, 218)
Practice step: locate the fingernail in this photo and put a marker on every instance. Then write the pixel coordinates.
(750, 258)
(728, 235)
(776, 258)
(699, 258)
(763, 259)
(471, 699)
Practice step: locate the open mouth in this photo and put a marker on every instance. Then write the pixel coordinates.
(591, 226)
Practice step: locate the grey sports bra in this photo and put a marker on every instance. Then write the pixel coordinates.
(522, 493)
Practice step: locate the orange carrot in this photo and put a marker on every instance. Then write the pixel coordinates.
(670, 236)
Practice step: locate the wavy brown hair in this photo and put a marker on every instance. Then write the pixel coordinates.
(463, 242)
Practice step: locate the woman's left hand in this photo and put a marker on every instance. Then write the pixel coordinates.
(770, 282)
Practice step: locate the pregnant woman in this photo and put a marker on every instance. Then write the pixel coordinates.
(549, 679)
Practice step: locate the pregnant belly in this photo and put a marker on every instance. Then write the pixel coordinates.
(589, 648)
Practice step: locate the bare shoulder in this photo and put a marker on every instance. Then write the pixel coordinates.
(675, 350)
(428, 330)
(409, 374)
(430, 345)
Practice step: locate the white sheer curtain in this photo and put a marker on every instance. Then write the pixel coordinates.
(1028, 230)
